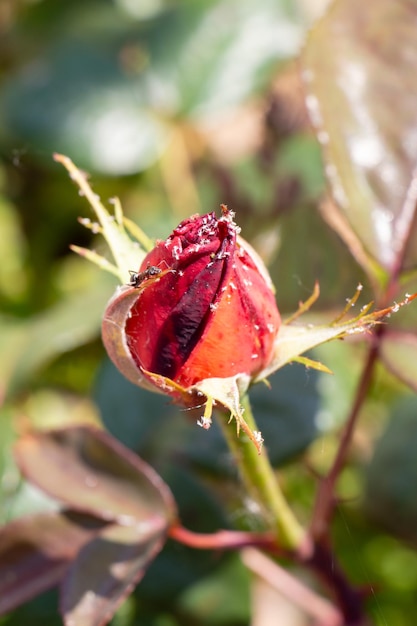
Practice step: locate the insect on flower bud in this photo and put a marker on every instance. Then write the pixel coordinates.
(201, 306)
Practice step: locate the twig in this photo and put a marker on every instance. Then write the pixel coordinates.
(224, 539)
(325, 500)
(297, 592)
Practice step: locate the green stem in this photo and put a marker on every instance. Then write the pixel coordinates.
(260, 481)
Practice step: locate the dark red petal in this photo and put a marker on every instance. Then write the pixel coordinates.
(185, 324)
(238, 337)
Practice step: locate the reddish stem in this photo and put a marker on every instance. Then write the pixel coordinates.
(224, 539)
(325, 500)
(295, 590)
(349, 599)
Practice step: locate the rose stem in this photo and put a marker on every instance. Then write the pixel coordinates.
(259, 478)
(261, 482)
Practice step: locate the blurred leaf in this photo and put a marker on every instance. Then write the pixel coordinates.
(220, 52)
(337, 392)
(309, 249)
(35, 552)
(26, 499)
(222, 597)
(359, 67)
(84, 105)
(288, 411)
(93, 472)
(27, 346)
(89, 470)
(300, 157)
(10, 478)
(13, 342)
(104, 94)
(105, 572)
(199, 509)
(399, 353)
(391, 477)
(48, 408)
(37, 612)
(12, 277)
(133, 415)
(178, 566)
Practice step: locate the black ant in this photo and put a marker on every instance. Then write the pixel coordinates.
(137, 278)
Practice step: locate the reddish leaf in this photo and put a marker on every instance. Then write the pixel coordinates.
(35, 552)
(105, 572)
(359, 68)
(92, 472)
(399, 353)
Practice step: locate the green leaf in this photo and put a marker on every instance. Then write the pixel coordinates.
(83, 104)
(222, 598)
(133, 415)
(107, 87)
(392, 474)
(359, 68)
(221, 52)
(314, 250)
(12, 278)
(67, 325)
(92, 472)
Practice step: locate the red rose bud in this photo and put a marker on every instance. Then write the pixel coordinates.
(201, 306)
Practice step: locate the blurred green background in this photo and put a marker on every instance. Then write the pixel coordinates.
(176, 107)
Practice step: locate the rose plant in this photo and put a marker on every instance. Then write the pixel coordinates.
(197, 321)
(195, 317)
